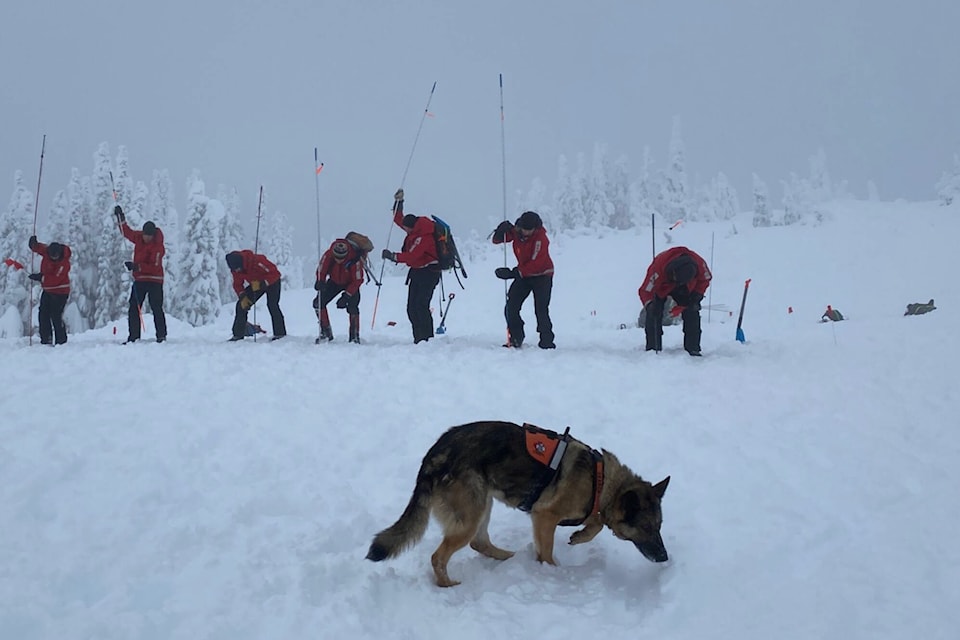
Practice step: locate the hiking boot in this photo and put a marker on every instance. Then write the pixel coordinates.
(129, 340)
(326, 334)
(694, 352)
(161, 338)
(278, 337)
(235, 338)
(547, 345)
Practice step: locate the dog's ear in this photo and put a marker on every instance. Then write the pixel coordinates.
(661, 487)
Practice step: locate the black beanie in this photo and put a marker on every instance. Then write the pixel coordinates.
(149, 229)
(682, 269)
(529, 220)
(409, 220)
(234, 260)
(55, 250)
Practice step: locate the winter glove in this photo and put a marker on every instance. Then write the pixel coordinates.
(36, 277)
(255, 285)
(245, 302)
(317, 285)
(389, 255)
(507, 274)
(32, 242)
(118, 212)
(131, 266)
(398, 195)
(501, 231)
(343, 301)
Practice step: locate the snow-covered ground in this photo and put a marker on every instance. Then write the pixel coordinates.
(200, 489)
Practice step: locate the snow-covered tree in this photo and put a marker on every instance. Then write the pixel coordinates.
(569, 197)
(676, 187)
(597, 204)
(113, 281)
(618, 194)
(199, 293)
(160, 209)
(726, 202)
(231, 239)
(645, 192)
(821, 189)
(15, 230)
(948, 188)
(762, 216)
(797, 200)
(58, 224)
(279, 250)
(537, 200)
(83, 237)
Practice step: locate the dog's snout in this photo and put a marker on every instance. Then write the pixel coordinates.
(653, 552)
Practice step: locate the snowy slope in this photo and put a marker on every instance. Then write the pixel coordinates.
(199, 489)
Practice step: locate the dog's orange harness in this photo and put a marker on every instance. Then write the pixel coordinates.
(548, 447)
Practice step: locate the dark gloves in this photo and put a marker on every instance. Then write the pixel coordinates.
(32, 242)
(131, 266)
(501, 231)
(389, 255)
(317, 285)
(507, 274)
(118, 212)
(36, 277)
(245, 302)
(398, 195)
(344, 300)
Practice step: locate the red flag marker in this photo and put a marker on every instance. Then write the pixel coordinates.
(10, 262)
(320, 168)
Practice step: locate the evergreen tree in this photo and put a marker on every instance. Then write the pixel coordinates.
(199, 293)
(15, 226)
(676, 185)
(727, 204)
(597, 205)
(797, 200)
(568, 197)
(821, 189)
(160, 208)
(644, 192)
(231, 239)
(948, 188)
(113, 281)
(83, 236)
(537, 200)
(279, 250)
(58, 224)
(618, 194)
(761, 207)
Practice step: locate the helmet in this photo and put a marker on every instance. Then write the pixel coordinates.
(340, 249)
(529, 220)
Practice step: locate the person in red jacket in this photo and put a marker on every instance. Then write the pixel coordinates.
(340, 270)
(684, 276)
(533, 274)
(54, 278)
(261, 277)
(147, 269)
(419, 252)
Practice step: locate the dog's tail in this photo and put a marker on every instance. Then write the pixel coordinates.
(408, 530)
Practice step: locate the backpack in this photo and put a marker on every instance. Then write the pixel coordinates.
(363, 246)
(447, 254)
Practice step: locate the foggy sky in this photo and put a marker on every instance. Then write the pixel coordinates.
(244, 91)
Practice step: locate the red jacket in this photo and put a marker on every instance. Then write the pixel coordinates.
(348, 273)
(255, 267)
(533, 252)
(419, 248)
(657, 284)
(56, 273)
(148, 256)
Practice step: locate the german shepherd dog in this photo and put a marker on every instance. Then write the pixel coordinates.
(474, 463)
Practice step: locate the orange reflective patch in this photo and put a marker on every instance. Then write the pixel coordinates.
(541, 446)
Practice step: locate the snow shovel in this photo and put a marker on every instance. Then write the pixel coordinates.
(740, 336)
